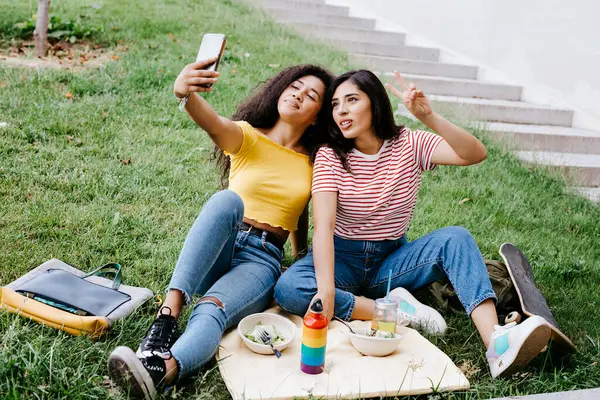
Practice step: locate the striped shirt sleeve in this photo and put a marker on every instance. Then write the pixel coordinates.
(324, 177)
(424, 144)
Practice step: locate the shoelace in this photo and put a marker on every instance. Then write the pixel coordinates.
(407, 316)
(160, 335)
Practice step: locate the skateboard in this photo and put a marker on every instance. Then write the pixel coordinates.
(532, 302)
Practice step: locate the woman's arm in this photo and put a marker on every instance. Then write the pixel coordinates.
(222, 131)
(459, 146)
(324, 210)
(299, 237)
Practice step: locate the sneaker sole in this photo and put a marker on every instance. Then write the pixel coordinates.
(123, 365)
(529, 349)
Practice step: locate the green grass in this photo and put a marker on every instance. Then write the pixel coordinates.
(66, 194)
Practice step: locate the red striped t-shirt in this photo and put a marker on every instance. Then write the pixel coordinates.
(376, 200)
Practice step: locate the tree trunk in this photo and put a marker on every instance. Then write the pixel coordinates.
(40, 35)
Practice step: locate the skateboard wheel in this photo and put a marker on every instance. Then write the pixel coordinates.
(513, 317)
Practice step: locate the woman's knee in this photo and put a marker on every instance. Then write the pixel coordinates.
(225, 202)
(227, 199)
(293, 294)
(458, 234)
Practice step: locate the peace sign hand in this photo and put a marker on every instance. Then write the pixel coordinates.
(415, 100)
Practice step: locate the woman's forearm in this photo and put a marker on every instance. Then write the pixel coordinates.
(465, 145)
(201, 112)
(323, 251)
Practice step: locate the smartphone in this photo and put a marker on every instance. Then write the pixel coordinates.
(213, 45)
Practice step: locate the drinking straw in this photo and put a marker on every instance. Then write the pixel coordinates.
(387, 294)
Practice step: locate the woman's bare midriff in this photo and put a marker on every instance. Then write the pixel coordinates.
(279, 231)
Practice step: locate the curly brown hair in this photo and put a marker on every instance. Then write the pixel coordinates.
(260, 111)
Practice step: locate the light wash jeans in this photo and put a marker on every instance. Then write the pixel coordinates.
(218, 260)
(362, 268)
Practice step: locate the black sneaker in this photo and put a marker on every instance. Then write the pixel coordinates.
(160, 336)
(139, 377)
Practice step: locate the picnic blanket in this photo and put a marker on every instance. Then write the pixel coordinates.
(416, 367)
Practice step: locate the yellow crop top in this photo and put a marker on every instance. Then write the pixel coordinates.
(273, 181)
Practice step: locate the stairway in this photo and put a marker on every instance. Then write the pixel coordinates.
(536, 133)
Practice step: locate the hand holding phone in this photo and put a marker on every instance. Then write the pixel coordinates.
(212, 46)
(201, 75)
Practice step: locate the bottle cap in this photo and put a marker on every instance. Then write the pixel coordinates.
(317, 306)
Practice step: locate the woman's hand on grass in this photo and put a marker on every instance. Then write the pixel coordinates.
(414, 99)
(193, 76)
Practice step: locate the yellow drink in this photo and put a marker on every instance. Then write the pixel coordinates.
(387, 326)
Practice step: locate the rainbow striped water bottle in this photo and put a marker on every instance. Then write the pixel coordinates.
(314, 339)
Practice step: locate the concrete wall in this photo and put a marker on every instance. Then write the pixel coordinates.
(550, 46)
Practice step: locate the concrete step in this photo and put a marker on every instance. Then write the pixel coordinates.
(582, 169)
(460, 87)
(295, 5)
(546, 138)
(405, 66)
(591, 193)
(333, 32)
(515, 112)
(390, 50)
(285, 16)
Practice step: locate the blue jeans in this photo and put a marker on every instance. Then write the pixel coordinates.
(218, 260)
(362, 268)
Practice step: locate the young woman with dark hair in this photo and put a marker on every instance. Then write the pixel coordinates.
(232, 254)
(365, 186)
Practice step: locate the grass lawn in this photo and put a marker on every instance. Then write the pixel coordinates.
(68, 191)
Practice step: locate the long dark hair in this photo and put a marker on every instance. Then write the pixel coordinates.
(260, 111)
(383, 121)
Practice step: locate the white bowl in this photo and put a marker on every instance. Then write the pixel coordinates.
(284, 327)
(373, 346)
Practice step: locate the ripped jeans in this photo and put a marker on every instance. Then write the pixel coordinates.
(218, 260)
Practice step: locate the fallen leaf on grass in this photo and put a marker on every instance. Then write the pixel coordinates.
(126, 161)
(469, 369)
(274, 65)
(463, 201)
(104, 114)
(115, 57)
(68, 95)
(74, 140)
(172, 38)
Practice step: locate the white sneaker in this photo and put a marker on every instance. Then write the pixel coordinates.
(513, 346)
(417, 314)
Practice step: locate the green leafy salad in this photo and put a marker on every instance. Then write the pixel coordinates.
(380, 334)
(254, 333)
